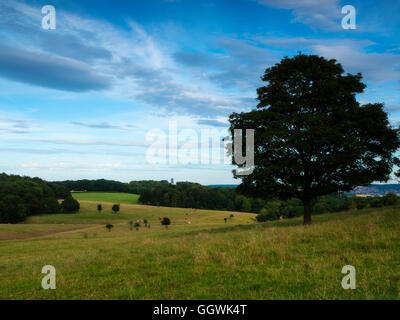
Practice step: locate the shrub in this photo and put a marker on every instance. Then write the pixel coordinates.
(137, 226)
(389, 199)
(268, 215)
(99, 207)
(166, 222)
(262, 217)
(109, 227)
(115, 208)
(376, 203)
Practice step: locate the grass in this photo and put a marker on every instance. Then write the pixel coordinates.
(115, 197)
(207, 259)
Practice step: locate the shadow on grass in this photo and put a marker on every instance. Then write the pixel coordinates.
(297, 221)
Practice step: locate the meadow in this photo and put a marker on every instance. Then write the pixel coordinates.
(206, 259)
(116, 197)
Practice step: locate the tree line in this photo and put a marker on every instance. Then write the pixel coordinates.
(103, 185)
(21, 197)
(194, 195)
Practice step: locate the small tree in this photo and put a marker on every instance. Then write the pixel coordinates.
(225, 219)
(109, 227)
(166, 222)
(115, 208)
(145, 222)
(70, 205)
(131, 225)
(137, 226)
(99, 207)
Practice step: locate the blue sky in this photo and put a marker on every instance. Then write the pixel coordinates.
(84, 100)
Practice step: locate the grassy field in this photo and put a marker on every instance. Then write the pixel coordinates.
(206, 259)
(115, 197)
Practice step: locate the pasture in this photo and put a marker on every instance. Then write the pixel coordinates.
(206, 259)
(116, 197)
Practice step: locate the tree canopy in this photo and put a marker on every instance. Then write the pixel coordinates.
(312, 137)
(23, 196)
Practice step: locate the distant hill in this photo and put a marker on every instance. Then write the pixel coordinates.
(222, 185)
(378, 189)
(373, 189)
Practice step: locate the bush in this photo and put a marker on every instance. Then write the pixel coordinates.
(99, 207)
(376, 203)
(262, 218)
(389, 199)
(115, 208)
(267, 215)
(70, 205)
(109, 227)
(166, 222)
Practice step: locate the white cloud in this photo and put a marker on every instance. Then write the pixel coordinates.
(324, 14)
(377, 68)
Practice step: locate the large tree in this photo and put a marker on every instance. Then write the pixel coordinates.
(312, 137)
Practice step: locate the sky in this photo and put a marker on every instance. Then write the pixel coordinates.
(133, 90)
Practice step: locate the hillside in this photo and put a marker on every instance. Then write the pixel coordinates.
(206, 259)
(116, 197)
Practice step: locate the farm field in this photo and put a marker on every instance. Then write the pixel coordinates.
(116, 197)
(206, 259)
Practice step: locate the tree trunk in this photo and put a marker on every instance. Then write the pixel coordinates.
(307, 212)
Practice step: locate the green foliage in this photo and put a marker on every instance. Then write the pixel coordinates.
(70, 205)
(12, 209)
(312, 136)
(60, 191)
(270, 212)
(389, 199)
(115, 208)
(23, 196)
(109, 226)
(102, 185)
(137, 226)
(99, 207)
(273, 210)
(193, 195)
(166, 222)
